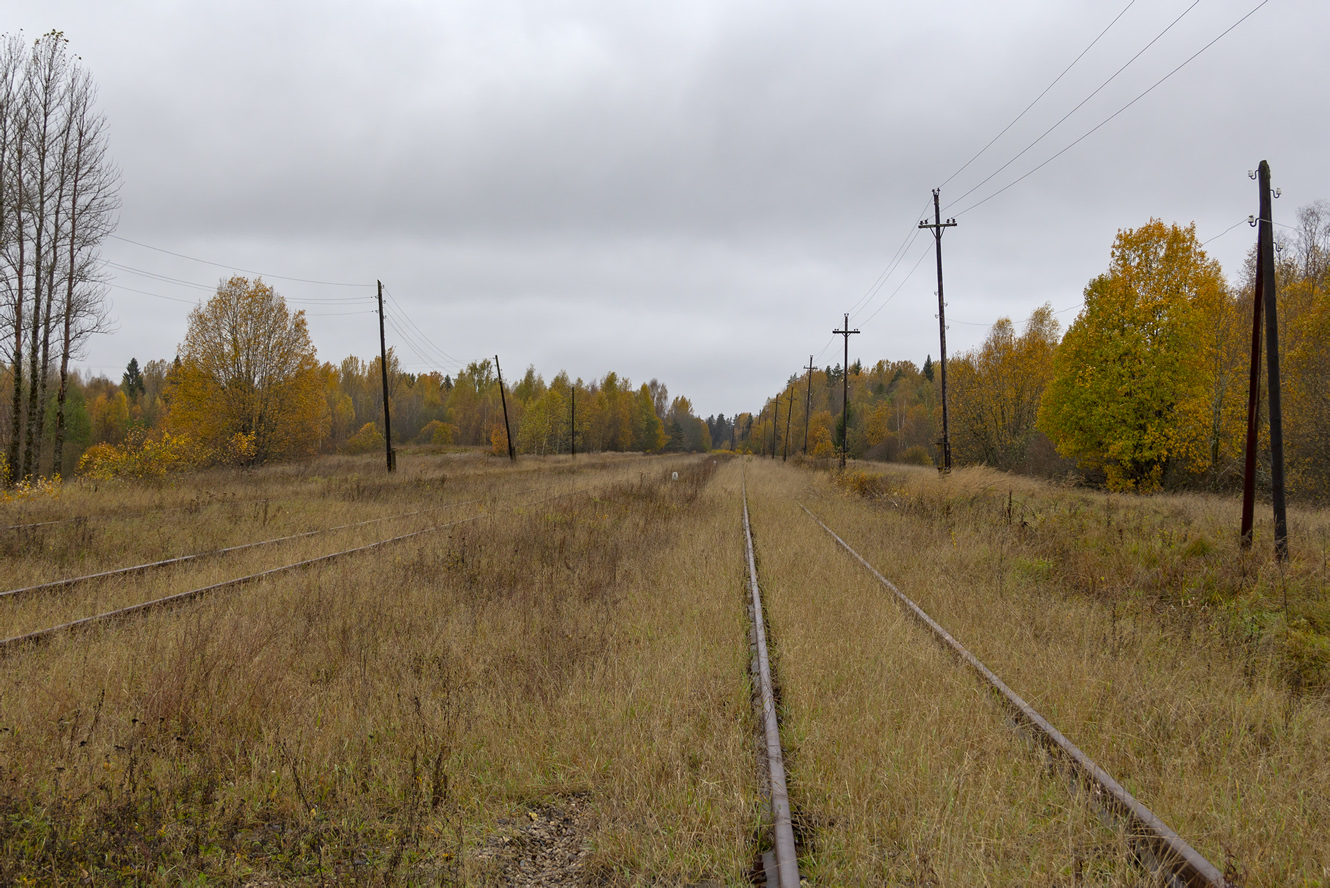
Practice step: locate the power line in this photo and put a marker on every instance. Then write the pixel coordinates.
(1042, 94)
(415, 347)
(1224, 232)
(1079, 105)
(1114, 114)
(279, 277)
(207, 288)
(420, 332)
(882, 278)
(913, 269)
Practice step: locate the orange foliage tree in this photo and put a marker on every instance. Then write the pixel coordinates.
(248, 370)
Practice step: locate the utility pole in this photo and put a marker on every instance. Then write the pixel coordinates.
(1265, 301)
(383, 365)
(1266, 250)
(1253, 399)
(808, 401)
(789, 412)
(775, 425)
(507, 431)
(572, 421)
(937, 225)
(845, 391)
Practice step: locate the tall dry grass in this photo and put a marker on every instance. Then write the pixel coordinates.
(1139, 628)
(901, 771)
(377, 719)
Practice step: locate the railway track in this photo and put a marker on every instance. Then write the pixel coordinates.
(1156, 846)
(15, 643)
(780, 867)
(228, 550)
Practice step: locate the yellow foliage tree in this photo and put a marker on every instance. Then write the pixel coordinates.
(1133, 379)
(996, 390)
(247, 367)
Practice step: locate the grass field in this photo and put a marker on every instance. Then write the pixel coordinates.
(556, 690)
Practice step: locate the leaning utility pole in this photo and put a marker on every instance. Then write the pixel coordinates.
(383, 365)
(1267, 272)
(937, 225)
(845, 391)
(1265, 300)
(789, 412)
(808, 401)
(507, 431)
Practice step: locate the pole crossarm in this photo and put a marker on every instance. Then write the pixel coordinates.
(938, 226)
(846, 332)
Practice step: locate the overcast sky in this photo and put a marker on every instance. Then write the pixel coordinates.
(692, 191)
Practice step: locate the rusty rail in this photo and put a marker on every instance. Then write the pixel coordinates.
(10, 644)
(180, 559)
(786, 867)
(1155, 843)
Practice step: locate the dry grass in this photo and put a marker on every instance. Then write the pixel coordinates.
(1137, 627)
(375, 720)
(901, 770)
(394, 716)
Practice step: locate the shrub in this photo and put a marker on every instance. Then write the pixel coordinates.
(367, 440)
(438, 434)
(918, 455)
(143, 456)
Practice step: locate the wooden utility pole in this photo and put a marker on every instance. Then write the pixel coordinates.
(1266, 250)
(1253, 404)
(1265, 301)
(789, 412)
(572, 420)
(845, 391)
(507, 431)
(808, 402)
(775, 425)
(383, 365)
(937, 225)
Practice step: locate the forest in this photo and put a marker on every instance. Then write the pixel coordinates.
(1146, 390)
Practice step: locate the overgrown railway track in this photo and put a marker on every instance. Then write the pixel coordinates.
(1156, 846)
(781, 866)
(13, 644)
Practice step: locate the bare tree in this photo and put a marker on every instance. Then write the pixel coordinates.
(58, 202)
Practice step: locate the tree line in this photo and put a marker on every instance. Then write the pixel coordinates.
(1146, 390)
(58, 199)
(246, 387)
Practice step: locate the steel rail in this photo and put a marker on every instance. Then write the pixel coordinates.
(787, 862)
(180, 559)
(137, 512)
(1158, 846)
(9, 644)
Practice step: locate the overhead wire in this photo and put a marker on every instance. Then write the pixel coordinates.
(913, 269)
(910, 235)
(1078, 106)
(278, 277)
(1055, 82)
(1106, 120)
(420, 332)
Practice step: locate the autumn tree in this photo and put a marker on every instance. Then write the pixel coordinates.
(996, 389)
(58, 197)
(1304, 313)
(1133, 378)
(248, 370)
